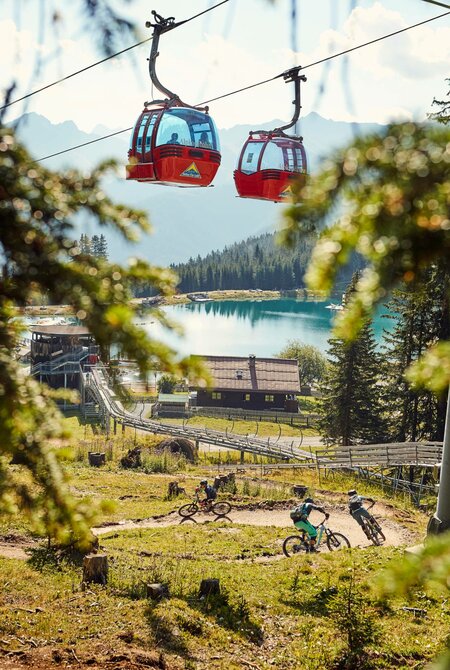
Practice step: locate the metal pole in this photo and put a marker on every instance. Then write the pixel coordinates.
(440, 522)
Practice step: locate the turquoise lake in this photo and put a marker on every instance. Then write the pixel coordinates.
(260, 327)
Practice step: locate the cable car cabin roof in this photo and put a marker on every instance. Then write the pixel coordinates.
(174, 146)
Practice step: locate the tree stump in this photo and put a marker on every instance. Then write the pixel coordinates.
(209, 587)
(174, 490)
(132, 459)
(157, 591)
(96, 458)
(95, 568)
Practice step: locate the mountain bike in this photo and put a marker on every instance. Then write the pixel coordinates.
(220, 509)
(296, 544)
(372, 528)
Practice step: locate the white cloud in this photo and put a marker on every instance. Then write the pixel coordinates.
(381, 76)
(420, 52)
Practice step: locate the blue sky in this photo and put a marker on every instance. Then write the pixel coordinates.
(240, 43)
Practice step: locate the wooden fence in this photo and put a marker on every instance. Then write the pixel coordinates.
(232, 413)
(366, 455)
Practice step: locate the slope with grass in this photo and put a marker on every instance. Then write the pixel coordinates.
(321, 612)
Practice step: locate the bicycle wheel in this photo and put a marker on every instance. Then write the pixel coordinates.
(372, 534)
(337, 541)
(377, 528)
(188, 510)
(294, 544)
(221, 508)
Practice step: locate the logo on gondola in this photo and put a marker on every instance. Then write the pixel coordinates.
(286, 192)
(191, 171)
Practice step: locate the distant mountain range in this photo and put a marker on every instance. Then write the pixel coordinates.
(186, 222)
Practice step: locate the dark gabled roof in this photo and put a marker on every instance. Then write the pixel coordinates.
(240, 373)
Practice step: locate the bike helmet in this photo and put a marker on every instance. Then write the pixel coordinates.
(308, 500)
(352, 492)
(203, 482)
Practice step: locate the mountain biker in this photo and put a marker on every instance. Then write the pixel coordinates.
(210, 491)
(357, 509)
(300, 515)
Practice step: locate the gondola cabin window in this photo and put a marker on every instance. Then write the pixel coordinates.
(187, 127)
(251, 157)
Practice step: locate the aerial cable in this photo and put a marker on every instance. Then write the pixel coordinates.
(435, 2)
(73, 74)
(104, 60)
(85, 144)
(327, 58)
(260, 83)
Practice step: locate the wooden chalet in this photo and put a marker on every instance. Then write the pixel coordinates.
(251, 383)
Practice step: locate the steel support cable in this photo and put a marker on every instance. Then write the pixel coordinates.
(327, 58)
(265, 81)
(435, 2)
(104, 60)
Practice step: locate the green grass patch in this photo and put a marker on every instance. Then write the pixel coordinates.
(315, 613)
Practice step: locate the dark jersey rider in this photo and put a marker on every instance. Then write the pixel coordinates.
(210, 491)
(357, 509)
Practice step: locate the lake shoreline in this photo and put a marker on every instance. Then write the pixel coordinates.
(302, 295)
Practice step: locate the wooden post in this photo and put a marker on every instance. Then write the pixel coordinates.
(123, 428)
(96, 458)
(95, 568)
(157, 591)
(115, 427)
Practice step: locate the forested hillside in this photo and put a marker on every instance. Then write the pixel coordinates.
(258, 262)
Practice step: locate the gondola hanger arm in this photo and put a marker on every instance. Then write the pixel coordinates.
(161, 26)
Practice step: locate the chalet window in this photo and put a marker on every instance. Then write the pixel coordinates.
(216, 396)
(247, 397)
(268, 398)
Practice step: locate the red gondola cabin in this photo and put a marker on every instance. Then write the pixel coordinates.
(176, 145)
(268, 165)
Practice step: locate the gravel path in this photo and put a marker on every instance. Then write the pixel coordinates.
(396, 534)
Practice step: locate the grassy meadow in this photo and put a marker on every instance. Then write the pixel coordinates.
(325, 611)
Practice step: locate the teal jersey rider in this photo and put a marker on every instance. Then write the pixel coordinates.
(300, 515)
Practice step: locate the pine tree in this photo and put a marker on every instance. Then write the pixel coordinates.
(421, 319)
(351, 409)
(102, 249)
(443, 115)
(95, 243)
(85, 245)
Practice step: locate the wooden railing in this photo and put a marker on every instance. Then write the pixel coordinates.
(236, 413)
(366, 455)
